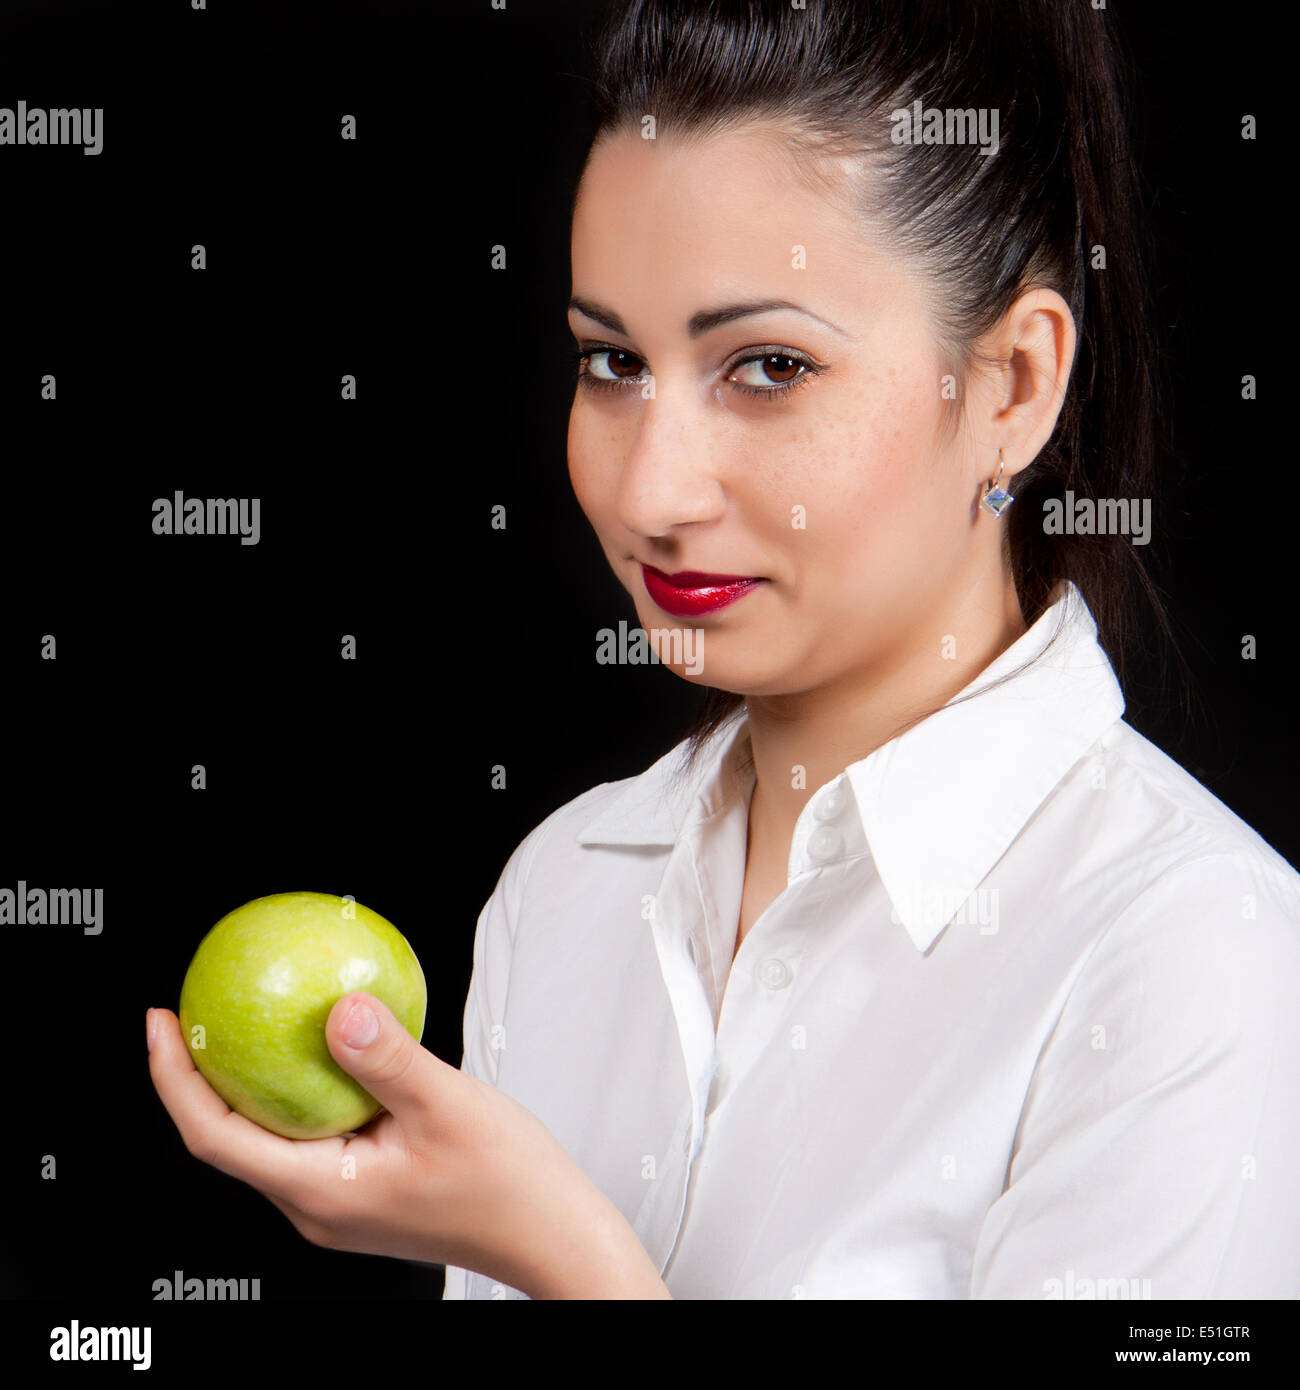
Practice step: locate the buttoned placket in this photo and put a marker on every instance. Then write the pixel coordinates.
(759, 979)
(675, 908)
(768, 958)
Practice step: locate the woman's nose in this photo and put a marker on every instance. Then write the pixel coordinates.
(669, 476)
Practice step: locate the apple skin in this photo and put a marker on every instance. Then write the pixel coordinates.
(261, 986)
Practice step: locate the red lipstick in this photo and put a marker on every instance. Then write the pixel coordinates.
(689, 593)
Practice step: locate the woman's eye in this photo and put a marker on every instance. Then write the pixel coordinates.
(766, 376)
(609, 364)
(773, 370)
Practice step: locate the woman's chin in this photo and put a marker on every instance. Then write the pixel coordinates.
(732, 680)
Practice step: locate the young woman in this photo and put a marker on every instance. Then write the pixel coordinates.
(915, 972)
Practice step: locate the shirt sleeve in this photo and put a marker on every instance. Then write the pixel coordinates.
(485, 1003)
(1159, 1142)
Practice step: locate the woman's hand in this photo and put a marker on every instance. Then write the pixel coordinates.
(453, 1171)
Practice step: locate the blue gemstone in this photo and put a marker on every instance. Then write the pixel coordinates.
(995, 501)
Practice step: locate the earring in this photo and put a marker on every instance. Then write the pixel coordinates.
(995, 500)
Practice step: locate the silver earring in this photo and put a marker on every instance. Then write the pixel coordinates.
(995, 499)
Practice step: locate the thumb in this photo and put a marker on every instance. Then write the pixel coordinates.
(371, 1044)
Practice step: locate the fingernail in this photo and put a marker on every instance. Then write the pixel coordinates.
(150, 1028)
(361, 1027)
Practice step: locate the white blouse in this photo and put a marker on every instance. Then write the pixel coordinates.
(1022, 1024)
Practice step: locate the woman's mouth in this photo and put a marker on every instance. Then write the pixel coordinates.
(689, 593)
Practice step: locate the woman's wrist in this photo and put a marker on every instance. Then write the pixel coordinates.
(598, 1257)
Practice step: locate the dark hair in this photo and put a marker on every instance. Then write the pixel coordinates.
(1061, 184)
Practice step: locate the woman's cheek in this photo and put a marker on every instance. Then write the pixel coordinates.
(583, 465)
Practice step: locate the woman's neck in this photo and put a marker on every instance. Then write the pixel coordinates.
(800, 742)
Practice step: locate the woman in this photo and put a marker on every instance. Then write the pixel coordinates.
(915, 972)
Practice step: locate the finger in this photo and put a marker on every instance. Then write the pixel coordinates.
(211, 1130)
(371, 1044)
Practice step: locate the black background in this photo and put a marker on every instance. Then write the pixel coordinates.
(475, 647)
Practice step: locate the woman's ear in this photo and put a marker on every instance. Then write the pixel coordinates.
(1034, 344)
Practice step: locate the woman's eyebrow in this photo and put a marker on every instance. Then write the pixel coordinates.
(607, 318)
(705, 320)
(709, 319)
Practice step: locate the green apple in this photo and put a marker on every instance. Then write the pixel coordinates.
(257, 995)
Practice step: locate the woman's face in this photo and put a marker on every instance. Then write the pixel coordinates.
(802, 446)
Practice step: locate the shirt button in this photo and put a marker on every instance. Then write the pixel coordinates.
(830, 803)
(773, 973)
(824, 844)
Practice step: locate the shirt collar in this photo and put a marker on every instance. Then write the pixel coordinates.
(941, 803)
